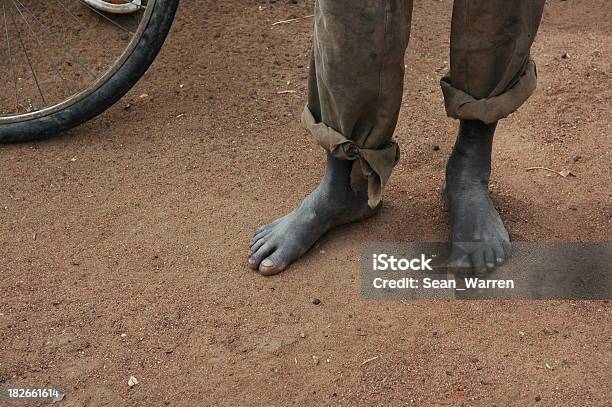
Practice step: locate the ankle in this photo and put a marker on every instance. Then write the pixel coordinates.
(468, 168)
(337, 175)
(475, 140)
(470, 161)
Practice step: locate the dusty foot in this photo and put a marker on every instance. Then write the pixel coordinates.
(332, 203)
(478, 238)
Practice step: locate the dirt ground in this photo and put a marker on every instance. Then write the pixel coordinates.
(124, 242)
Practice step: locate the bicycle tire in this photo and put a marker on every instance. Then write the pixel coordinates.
(109, 92)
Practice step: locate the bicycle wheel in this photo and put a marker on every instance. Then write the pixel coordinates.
(66, 61)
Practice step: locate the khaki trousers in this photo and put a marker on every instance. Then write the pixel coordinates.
(357, 73)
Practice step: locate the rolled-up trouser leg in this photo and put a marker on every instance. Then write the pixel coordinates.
(491, 73)
(356, 85)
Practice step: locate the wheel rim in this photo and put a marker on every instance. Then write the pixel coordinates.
(57, 52)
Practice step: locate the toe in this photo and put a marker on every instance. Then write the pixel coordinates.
(459, 261)
(259, 255)
(262, 228)
(458, 258)
(255, 246)
(478, 262)
(259, 232)
(273, 264)
(259, 235)
(489, 257)
(498, 250)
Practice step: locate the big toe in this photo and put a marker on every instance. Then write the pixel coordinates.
(459, 260)
(256, 258)
(273, 264)
(478, 262)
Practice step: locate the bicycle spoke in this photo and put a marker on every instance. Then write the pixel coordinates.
(59, 52)
(27, 56)
(10, 58)
(67, 53)
(83, 26)
(110, 20)
(41, 46)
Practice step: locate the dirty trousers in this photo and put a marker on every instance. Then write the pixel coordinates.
(357, 72)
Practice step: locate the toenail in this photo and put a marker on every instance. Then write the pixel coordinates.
(500, 260)
(267, 263)
(251, 261)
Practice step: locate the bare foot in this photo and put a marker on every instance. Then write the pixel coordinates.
(274, 246)
(478, 239)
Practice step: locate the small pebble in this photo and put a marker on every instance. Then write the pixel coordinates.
(576, 157)
(132, 381)
(484, 382)
(436, 147)
(538, 398)
(316, 301)
(565, 55)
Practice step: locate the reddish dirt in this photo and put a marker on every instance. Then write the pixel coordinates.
(138, 266)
